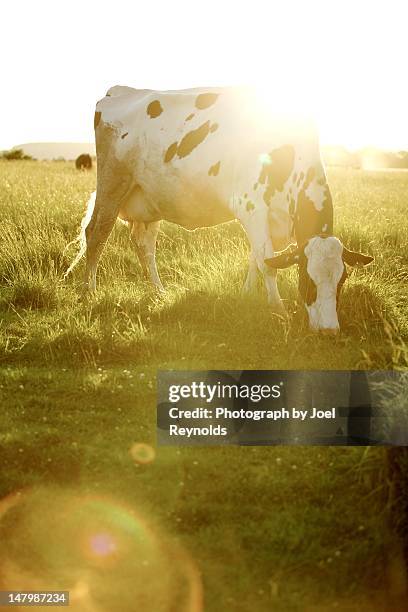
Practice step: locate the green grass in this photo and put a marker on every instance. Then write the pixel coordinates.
(201, 319)
(293, 528)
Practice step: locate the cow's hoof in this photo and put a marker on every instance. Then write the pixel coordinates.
(158, 289)
(247, 290)
(86, 292)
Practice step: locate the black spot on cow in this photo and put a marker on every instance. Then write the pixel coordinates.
(310, 221)
(192, 139)
(311, 173)
(124, 135)
(340, 284)
(83, 162)
(189, 142)
(307, 287)
(205, 100)
(154, 109)
(170, 153)
(214, 170)
(97, 119)
(191, 115)
(327, 200)
(276, 172)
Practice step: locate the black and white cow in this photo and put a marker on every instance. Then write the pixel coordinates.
(200, 157)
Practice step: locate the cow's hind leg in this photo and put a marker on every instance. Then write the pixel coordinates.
(143, 236)
(97, 232)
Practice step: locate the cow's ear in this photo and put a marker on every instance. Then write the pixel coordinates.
(352, 258)
(289, 257)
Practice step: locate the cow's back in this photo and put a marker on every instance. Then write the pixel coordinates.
(191, 152)
(169, 142)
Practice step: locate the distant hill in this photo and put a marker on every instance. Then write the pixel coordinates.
(55, 150)
(367, 158)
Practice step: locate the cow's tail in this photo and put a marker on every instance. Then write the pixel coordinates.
(81, 238)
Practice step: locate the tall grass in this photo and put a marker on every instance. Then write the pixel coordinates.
(271, 528)
(202, 317)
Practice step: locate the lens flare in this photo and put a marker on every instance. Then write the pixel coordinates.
(100, 549)
(142, 453)
(264, 159)
(102, 544)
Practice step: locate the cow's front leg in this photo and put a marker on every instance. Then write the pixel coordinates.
(257, 229)
(274, 298)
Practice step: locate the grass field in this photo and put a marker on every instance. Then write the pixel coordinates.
(270, 528)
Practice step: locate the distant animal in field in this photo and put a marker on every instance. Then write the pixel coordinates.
(200, 157)
(83, 162)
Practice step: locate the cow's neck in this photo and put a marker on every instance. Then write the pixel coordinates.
(312, 219)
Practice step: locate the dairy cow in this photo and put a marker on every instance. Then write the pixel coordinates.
(83, 162)
(200, 157)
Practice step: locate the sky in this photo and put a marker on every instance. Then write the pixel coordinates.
(344, 61)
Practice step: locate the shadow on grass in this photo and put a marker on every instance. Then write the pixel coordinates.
(133, 325)
(229, 313)
(33, 294)
(187, 325)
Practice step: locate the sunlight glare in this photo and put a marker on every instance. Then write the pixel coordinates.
(340, 62)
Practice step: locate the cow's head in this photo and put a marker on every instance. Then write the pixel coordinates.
(322, 272)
